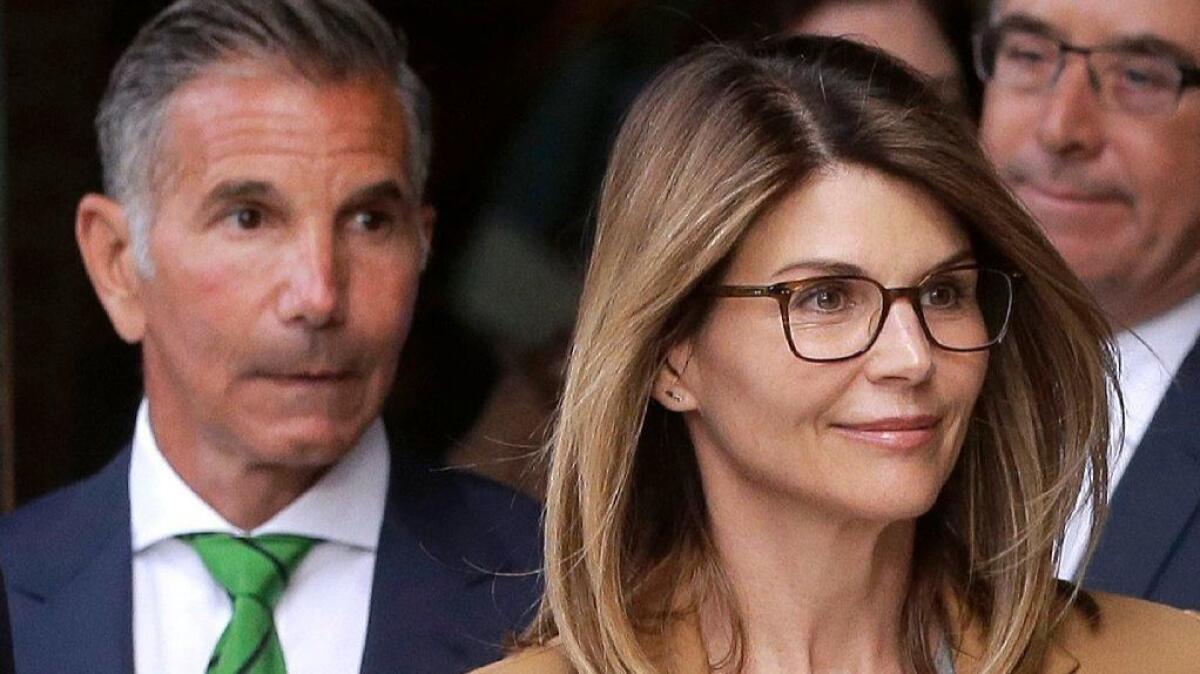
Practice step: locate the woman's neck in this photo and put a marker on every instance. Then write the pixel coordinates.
(816, 592)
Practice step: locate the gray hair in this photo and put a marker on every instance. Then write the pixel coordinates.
(321, 40)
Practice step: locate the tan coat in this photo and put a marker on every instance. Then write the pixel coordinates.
(1134, 637)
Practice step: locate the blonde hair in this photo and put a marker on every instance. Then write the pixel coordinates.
(716, 140)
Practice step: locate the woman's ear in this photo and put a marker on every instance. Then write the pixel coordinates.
(669, 388)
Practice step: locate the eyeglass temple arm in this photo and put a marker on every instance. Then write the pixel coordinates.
(743, 291)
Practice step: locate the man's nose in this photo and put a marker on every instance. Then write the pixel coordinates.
(902, 352)
(1072, 122)
(313, 285)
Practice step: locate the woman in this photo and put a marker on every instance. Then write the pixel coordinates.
(831, 398)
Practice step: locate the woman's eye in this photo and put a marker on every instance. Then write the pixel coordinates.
(823, 300)
(940, 296)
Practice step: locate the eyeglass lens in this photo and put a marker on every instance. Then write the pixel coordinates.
(1135, 82)
(837, 317)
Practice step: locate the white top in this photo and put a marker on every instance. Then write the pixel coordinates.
(1151, 355)
(179, 611)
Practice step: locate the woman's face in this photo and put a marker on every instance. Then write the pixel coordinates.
(873, 437)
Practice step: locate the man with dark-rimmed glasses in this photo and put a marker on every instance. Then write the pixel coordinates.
(1091, 113)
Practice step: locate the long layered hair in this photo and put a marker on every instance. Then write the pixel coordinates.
(716, 140)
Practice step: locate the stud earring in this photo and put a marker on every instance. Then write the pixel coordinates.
(675, 396)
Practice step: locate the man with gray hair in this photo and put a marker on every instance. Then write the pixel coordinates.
(262, 237)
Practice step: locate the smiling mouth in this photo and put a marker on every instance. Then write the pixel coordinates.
(894, 433)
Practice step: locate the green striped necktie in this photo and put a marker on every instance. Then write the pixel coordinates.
(254, 571)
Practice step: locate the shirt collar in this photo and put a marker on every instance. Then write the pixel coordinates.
(1164, 340)
(344, 506)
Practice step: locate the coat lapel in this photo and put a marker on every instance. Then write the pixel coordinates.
(1158, 495)
(71, 596)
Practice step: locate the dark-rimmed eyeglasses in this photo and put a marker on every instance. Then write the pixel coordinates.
(1131, 79)
(834, 318)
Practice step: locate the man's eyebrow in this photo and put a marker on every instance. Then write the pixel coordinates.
(1140, 43)
(384, 190)
(1027, 23)
(240, 190)
(1152, 45)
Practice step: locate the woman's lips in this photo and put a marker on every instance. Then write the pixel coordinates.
(893, 433)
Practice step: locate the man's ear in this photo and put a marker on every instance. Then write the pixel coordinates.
(102, 232)
(669, 388)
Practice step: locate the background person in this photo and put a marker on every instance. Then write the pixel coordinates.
(877, 483)
(1092, 115)
(262, 237)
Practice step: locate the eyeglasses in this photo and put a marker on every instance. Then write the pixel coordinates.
(833, 318)
(1131, 79)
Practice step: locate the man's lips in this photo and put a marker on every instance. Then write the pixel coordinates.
(318, 377)
(1072, 195)
(901, 433)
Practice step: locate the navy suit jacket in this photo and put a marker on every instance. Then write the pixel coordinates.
(1150, 547)
(454, 574)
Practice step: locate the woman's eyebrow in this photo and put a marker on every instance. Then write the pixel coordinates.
(964, 255)
(831, 267)
(822, 266)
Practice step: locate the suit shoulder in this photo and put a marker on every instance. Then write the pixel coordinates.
(73, 501)
(33, 538)
(1133, 635)
(31, 518)
(540, 660)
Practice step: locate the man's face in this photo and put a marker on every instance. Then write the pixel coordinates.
(1117, 193)
(286, 250)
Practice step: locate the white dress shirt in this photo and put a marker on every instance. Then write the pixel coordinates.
(179, 611)
(1151, 355)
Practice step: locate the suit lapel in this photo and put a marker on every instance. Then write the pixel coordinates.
(78, 589)
(1157, 496)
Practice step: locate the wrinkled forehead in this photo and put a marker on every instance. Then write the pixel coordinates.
(1097, 22)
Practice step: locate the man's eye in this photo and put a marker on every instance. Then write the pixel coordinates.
(1145, 76)
(247, 218)
(371, 221)
(1015, 54)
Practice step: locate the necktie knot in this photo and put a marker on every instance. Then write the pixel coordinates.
(257, 567)
(254, 571)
